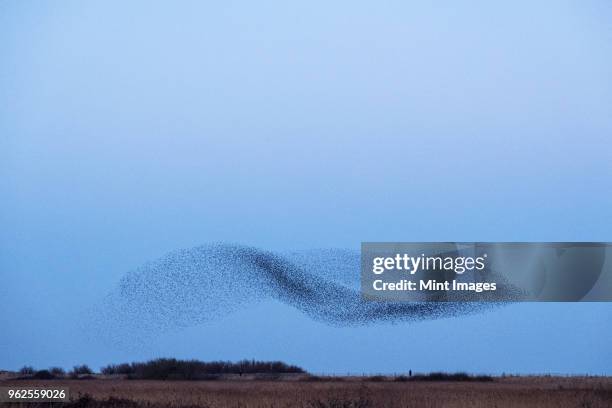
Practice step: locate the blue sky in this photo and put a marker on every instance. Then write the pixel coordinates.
(129, 130)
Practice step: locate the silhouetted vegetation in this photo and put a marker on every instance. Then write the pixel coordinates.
(114, 369)
(318, 378)
(173, 369)
(82, 369)
(43, 375)
(81, 372)
(438, 376)
(26, 370)
(57, 371)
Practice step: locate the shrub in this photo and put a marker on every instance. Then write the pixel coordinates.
(439, 376)
(173, 369)
(26, 370)
(43, 375)
(113, 369)
(57, 371)
(81, 370)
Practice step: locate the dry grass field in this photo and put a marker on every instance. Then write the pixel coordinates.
(540, 392)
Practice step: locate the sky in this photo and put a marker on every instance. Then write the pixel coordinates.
(131, 130)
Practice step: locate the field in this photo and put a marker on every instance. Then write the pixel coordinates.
(348, 392)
